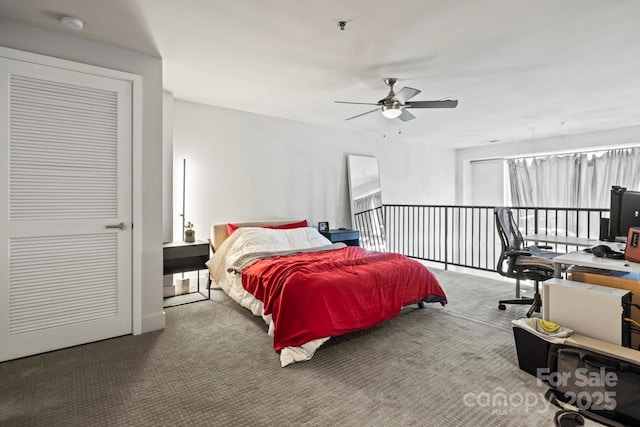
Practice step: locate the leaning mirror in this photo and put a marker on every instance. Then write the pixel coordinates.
(366, 201)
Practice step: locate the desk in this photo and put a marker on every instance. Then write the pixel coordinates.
(562, 240)
(585, 259)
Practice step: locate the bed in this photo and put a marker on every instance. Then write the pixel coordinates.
(308, 289)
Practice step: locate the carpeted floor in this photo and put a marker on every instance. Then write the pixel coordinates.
(214, 365)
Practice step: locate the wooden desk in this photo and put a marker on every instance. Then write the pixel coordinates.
(608, 349)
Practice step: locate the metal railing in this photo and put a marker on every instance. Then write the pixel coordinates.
(465, 236)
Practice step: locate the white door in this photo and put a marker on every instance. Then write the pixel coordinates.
(65, 179)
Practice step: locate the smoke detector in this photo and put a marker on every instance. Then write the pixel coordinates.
(71, 22)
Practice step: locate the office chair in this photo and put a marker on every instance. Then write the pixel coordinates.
(521, 263)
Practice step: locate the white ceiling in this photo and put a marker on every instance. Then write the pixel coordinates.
(520, 69)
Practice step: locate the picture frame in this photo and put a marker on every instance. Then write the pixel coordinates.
(323, 226)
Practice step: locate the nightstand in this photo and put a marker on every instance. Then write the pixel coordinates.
(180, 257)
(348, 237)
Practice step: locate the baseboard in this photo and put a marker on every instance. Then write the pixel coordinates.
(153, 322)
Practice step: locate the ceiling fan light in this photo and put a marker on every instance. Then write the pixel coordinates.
(391, 111)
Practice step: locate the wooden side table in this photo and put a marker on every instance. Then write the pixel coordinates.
(348, 237)
(180, 257)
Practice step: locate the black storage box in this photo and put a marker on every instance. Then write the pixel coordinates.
(533, 351)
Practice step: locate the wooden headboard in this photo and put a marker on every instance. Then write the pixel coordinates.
(219, 231)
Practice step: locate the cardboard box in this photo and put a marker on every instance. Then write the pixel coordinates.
(183, 285)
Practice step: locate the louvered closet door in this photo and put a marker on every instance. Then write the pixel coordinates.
(65, 146)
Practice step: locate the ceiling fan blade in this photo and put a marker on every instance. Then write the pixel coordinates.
(443, 103)
(405, 94)
(357, 103)
(363, 114)
(406, 116)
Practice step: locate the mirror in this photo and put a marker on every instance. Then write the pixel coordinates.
(366, 201)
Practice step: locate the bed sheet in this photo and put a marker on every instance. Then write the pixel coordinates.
(317, 294)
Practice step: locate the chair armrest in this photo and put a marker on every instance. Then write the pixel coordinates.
(517, 253)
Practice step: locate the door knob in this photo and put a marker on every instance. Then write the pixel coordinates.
(121, 226)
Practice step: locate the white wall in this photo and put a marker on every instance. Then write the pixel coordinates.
(243, 166)
(487, 183)
(414, 173)
(566, 143)
(167, 166)
(32, 39)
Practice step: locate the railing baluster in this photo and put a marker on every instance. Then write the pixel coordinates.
(431, 233)
(446, 238)
(421, 233)
(459, 210)
(486, 248)
(396, 234)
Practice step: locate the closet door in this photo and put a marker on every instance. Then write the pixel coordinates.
(65, 211)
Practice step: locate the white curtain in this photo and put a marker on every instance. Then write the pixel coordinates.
(581, 180)
(614, 167)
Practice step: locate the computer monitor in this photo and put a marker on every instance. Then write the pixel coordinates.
(624, 212)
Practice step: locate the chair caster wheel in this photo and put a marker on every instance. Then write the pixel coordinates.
(502, 307)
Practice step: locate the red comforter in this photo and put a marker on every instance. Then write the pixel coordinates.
(321, 294)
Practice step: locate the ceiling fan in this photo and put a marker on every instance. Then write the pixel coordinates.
(395, 105)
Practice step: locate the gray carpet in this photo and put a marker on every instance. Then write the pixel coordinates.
(214, 365)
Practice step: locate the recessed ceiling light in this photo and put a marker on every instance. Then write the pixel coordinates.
(71, 22)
